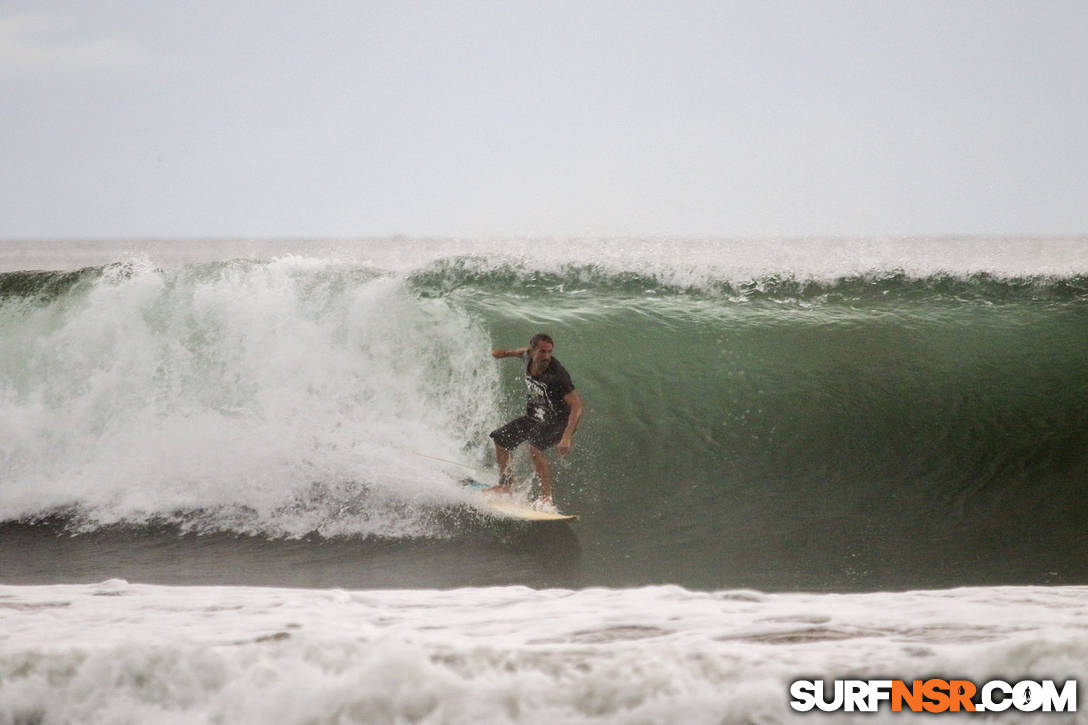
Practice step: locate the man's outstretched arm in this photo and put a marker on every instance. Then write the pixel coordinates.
(499, 353)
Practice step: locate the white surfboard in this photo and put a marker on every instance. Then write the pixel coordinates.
(506, 506)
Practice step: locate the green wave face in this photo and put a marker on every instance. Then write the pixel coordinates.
(908, 430)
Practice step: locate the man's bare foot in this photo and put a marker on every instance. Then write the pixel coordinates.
(506, 484)
(544, 503)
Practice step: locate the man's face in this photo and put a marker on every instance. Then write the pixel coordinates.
(541, 355)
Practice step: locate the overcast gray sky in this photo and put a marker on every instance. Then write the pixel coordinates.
(213, 118)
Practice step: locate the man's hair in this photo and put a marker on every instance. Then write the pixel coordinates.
(539, 338)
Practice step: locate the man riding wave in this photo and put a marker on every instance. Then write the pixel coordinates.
(552, 413)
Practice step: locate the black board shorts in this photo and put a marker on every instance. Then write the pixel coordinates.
(540, 435)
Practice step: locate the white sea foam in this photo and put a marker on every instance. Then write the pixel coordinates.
(682, 262)
(124, 653)
(266, 396)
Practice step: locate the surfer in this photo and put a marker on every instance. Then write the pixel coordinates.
(551, 415)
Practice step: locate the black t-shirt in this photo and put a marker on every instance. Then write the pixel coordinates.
(546, 393)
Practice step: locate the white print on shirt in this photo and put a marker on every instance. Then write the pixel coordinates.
(538, 398)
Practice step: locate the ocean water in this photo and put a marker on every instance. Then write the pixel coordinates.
(229, 477)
